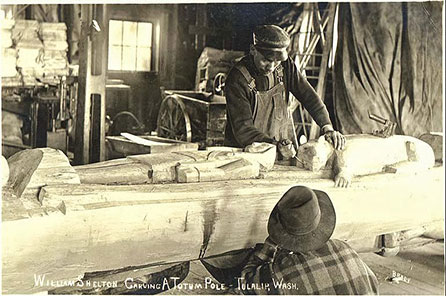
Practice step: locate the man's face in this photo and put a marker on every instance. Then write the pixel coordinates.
(263, 64)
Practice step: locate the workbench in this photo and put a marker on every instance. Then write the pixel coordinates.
(106, 227)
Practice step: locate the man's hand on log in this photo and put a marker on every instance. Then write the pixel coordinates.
(336, 139)
(286, 149)
(342, 180)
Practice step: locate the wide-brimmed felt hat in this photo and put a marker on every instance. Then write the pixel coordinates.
(303, 220)
(272, 42)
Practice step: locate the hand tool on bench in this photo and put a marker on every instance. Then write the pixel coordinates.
(388, 129)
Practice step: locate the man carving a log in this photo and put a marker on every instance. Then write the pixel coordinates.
(365, 155)
(257, 95)
(299, 258)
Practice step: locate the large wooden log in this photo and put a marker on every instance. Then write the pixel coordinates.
(109, 227)
(218, 170)
(366, 154)
(118, 171)
(435, 140)
(5, 170)
(33, 168)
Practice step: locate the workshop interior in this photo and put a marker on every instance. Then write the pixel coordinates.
(114, 162)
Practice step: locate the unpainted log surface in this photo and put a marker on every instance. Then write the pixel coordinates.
(136, 280)
(367, 154)
(21, 168)
(108, 227)
(4, 170)
(119, 171)
(435, 140)
(217, 170)
(31, 169)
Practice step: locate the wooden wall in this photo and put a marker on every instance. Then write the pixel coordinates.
(146, 97)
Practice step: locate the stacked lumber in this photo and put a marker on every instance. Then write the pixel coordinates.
(6, 32)
(29, 51)
(10, 76)
(54, 36)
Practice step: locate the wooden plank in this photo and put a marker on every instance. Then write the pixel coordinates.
(423, 268)
(92, 81)
(142, 141)
(327, 45)
(127, 147)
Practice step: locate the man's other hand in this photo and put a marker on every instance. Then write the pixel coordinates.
(286, 149)
(336, 139)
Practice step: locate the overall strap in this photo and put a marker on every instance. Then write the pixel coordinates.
(251, 81)
(279, 73)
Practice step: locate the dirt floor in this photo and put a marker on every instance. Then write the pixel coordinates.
(414, 271)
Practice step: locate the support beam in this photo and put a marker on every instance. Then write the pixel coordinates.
(327, 47)
(90, 118)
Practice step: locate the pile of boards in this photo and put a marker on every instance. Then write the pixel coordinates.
(33, 52)
(10, 76)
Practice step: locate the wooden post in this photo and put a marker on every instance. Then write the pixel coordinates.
(90, 145)
(320, 89)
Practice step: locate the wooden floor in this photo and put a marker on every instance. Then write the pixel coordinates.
(422, 267)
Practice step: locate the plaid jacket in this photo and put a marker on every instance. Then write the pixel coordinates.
(333, 269)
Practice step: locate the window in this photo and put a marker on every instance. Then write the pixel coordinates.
(130, 46)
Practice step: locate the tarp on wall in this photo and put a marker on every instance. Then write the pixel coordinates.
(389, 62)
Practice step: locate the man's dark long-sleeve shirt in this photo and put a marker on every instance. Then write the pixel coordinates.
(240, 100)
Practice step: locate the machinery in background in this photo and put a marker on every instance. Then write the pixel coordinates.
(39, 116)
(192, 117)
(200, 115)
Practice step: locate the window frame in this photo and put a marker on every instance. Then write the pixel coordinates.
(154, 59)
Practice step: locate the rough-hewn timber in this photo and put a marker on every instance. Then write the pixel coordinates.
(110, 227)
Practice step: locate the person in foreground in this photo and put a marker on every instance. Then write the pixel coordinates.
(257, 95)
(298, 257)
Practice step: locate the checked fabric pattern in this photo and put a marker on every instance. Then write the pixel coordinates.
(333, 269)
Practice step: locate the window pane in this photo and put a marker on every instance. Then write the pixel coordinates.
(144, 34)
(129, 37)
(114, 57)
(115, 32)
(143, 59)
(128, 58)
